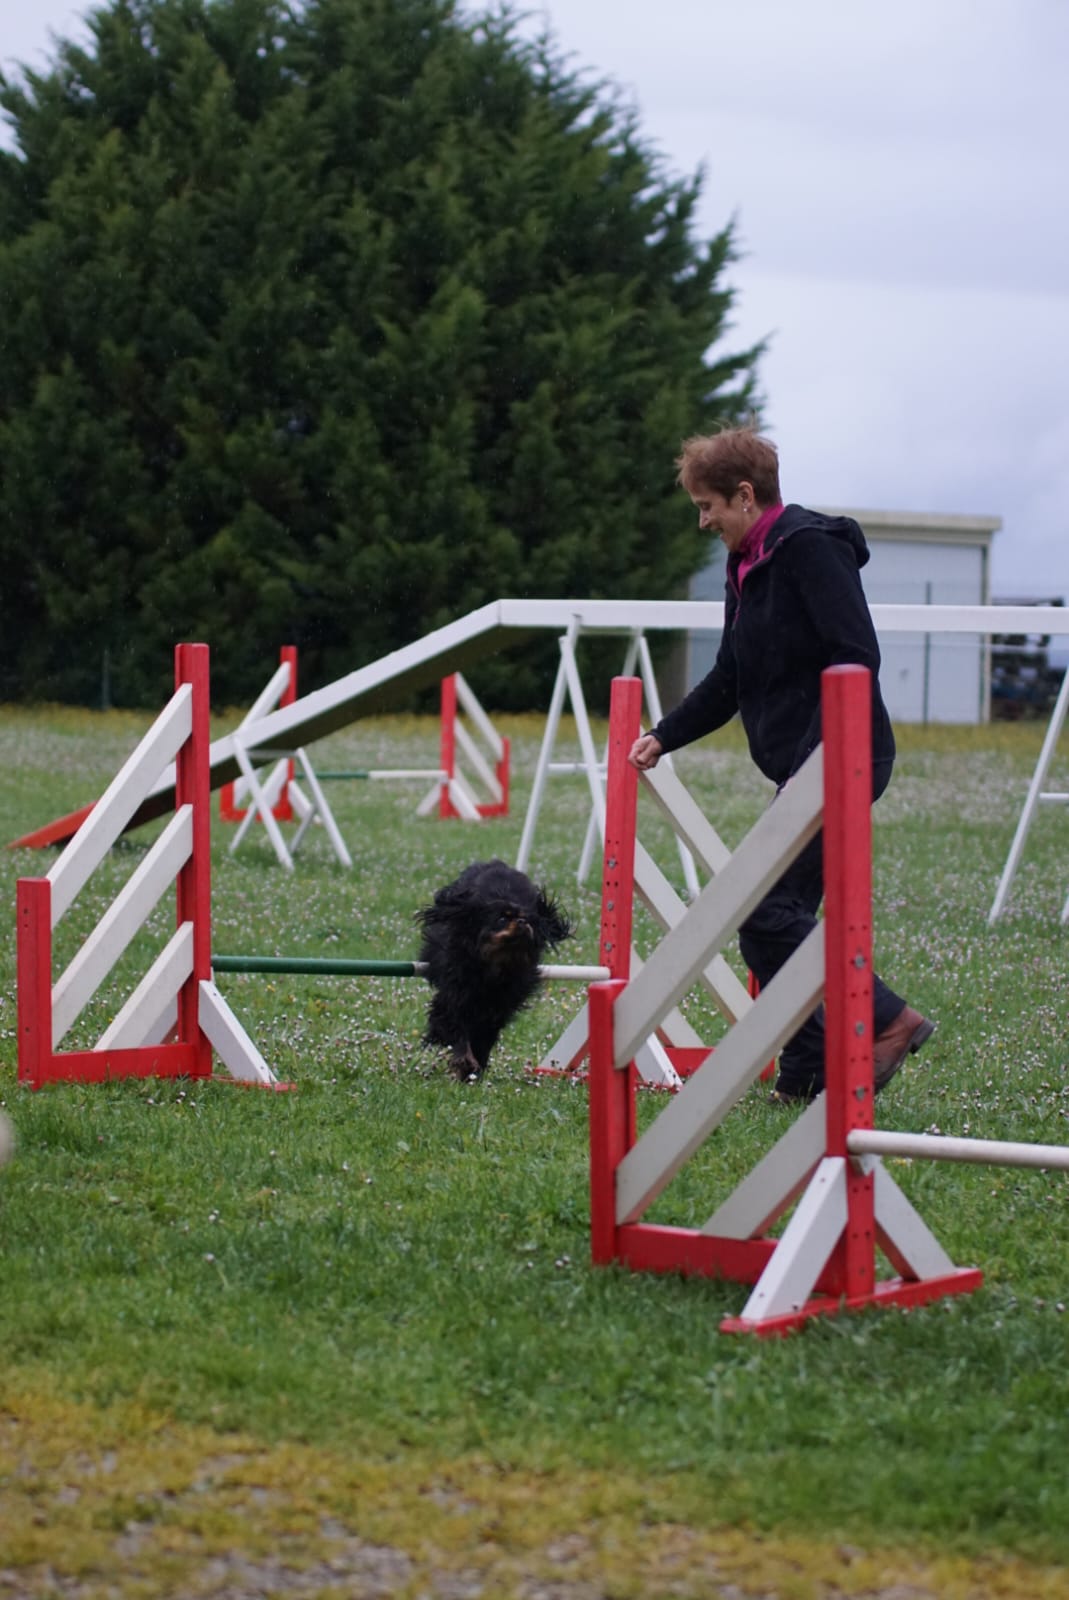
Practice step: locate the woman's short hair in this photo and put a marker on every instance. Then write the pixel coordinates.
(719, 462)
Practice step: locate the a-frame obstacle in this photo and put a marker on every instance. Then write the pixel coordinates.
(175, 1017)
(846, 1202)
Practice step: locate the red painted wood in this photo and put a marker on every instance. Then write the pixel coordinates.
(846, 716)
(34, 982)
(447, 738)
(283, 811)
(57, 832)
(193, 885)
(902, 1292)
(611, 1122)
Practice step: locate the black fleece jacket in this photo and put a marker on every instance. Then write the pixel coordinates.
(801, 609)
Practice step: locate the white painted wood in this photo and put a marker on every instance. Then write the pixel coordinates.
(776, 1181)
(108, 818)
(575, 974)
(468, 701)
(389, 773)
(541, 773)
(272, 787)
(299, 801)
(1032, 800)
(689, 822)
(719, 1082)
(337, 704)
(229, 1040)
(431, 799)
(120, 922)
(322, 809)
(594, 839)
(571, 1044)
(902, 1234)
(802, 1253)
(655, 713)
(660, 899)
(938, 1147)
(584, 731)
(259, 806)
(776, 839)
(654, 1067)
(463, 800)
(475, 758)
(674, 1027)
(164, 1025)
(153, 994)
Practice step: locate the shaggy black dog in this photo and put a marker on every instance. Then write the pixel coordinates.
(483, 941)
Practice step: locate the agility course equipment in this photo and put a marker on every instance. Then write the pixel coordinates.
(457, 792)
(1036, 797)
(383, 684)
(281, 690)
(825, 1259)
(568, 686)
(831, 1155)
(674, 1050)
(369, 967)
(268, 788)
(176, 995)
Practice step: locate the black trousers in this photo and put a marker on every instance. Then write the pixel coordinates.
(774, 930)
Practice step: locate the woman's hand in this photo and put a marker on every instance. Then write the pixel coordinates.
(645, 752)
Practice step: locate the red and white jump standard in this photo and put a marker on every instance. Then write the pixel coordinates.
(825, 1259)
(176, 996)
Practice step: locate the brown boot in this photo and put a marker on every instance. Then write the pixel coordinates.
(906, 1034)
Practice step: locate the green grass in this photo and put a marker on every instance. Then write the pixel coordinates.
(389, 1268)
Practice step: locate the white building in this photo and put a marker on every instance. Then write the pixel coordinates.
(916, 558)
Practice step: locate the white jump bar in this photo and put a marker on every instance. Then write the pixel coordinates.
(936, 1147)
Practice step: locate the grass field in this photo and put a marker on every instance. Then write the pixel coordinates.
(347, 1341)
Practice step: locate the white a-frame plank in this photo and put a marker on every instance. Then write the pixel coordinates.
(706, 1098)
(771, 844)
(108, 818)
(122, 920)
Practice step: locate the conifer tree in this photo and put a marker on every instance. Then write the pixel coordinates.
(326, 323)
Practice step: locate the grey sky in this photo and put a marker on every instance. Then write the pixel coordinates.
(896, 175)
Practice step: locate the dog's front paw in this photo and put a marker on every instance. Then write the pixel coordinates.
(463, 1065)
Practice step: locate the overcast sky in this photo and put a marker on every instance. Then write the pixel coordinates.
(897, 179)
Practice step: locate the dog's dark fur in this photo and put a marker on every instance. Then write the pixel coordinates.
(484, 938)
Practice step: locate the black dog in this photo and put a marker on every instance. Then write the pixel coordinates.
(483, 941)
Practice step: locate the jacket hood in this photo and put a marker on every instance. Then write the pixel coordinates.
(794, 518)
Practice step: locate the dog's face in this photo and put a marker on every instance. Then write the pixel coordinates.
(508, 933)
(501, 912)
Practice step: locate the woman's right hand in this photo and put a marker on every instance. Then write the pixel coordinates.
(645, 752)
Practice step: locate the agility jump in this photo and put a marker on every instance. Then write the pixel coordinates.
(829, 1159)
(176, 997)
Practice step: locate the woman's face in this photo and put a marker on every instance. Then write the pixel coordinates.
(731, 519)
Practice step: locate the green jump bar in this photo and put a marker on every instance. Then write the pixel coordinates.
(322, 965)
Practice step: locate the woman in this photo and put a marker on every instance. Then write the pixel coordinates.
(794, 606)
